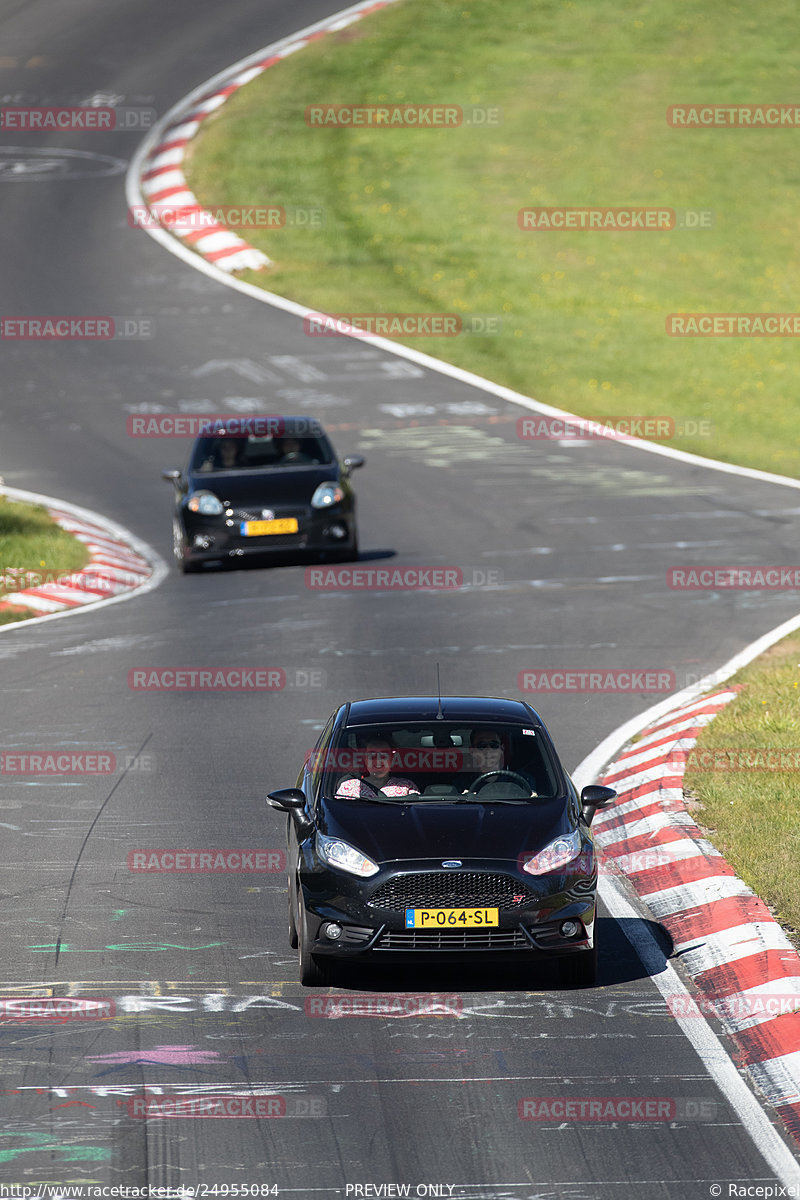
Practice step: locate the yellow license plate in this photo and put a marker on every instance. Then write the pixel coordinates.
(259, 528)
(450, 918)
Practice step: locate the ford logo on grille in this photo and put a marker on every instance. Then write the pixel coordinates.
(267, 514)
(452, 862)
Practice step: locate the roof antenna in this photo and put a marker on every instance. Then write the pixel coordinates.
(439, 714)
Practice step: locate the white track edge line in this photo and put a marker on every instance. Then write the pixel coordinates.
(151, 556)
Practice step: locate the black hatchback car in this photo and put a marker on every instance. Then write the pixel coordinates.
(263, 486)
(444, 828)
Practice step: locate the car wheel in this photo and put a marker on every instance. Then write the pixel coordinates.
(179, 549)
(292, 926)
(579, 970)
(312, 972)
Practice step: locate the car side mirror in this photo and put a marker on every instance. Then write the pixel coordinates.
(595, 796)
(174, 477)
(287, 799)
(353, 461)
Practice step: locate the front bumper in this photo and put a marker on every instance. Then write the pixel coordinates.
(208, 539)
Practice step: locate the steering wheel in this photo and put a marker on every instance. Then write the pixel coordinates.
(487, 775)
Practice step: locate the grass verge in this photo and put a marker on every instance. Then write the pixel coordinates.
(425, 220)
(750, 809)
(31, 541)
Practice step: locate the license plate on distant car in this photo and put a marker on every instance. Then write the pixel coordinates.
(450, 918)
(259, 528)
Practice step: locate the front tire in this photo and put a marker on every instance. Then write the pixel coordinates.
(312, 972)
(579, 970)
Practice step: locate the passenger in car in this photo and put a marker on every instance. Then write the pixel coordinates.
(376, 778)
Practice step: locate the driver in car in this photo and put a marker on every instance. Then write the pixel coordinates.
(488, 754)
(376, 778)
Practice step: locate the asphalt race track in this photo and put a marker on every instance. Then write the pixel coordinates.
(575, 543)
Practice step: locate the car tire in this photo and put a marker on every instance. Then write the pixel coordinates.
(579, 970)
(312, 972)
(185, 566)
(293, 939)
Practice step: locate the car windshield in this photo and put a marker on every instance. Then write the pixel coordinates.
(425, 761)
(252, 453)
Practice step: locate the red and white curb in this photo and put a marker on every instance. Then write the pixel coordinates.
(119, 565)
(745, 968)
(171, 202)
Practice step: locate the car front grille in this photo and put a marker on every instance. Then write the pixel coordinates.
(254, 514)
(453, 939)
(451, 889)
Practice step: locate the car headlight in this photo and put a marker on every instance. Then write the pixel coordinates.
(339, 854)
(560, 852)
(326, 495)
(205, 503)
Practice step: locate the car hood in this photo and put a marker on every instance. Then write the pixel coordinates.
(284, 485)
(388, 833)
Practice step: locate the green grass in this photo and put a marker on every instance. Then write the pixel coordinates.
(752, 815)
(31, 541)
(425, 220)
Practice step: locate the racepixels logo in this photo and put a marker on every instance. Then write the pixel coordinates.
(744, 325)
(171, 425)
(207, 679)
(656, 428)
(86, 119)
(220, 1107)
(615, 1108)
(739, 1007)
(390, 1005)
(733, 116)
(712, 578)
(76, 328)
(207, 862)
(55, 1008)
(191, 218)
(574, 679)
(56, 762)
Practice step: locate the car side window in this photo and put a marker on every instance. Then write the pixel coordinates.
(316, 760)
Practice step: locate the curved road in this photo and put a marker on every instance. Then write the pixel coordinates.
(203, 982)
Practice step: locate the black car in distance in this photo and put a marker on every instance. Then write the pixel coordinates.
(440, 829)
(263, 486)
